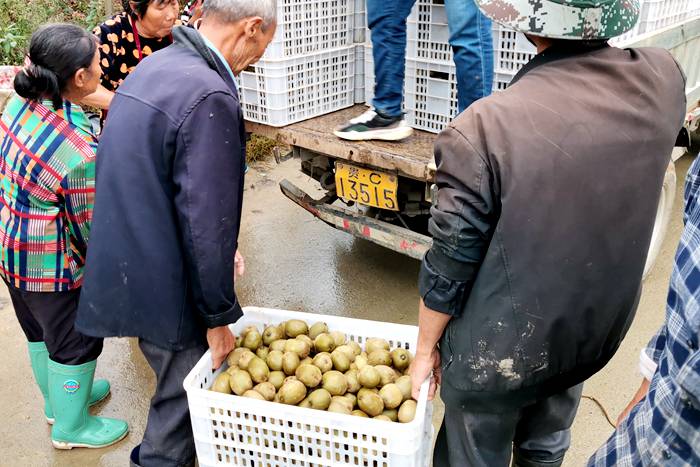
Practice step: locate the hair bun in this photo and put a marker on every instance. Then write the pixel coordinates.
(35, 82)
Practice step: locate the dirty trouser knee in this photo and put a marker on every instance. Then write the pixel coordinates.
(387, 21)
(540, 433)
(472, 46)
(50, 317)
(167, 441)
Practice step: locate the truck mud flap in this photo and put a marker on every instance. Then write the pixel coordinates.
(382, 233)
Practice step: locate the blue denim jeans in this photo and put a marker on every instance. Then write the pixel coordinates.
(470, 38)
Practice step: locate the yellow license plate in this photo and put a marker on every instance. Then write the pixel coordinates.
(368, 187)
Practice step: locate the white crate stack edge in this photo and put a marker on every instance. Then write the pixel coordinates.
(237, 431)
(308, 69)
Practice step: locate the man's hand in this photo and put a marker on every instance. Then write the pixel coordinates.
(238, 264)
(221, 342)
(425, 365)
(641, 394)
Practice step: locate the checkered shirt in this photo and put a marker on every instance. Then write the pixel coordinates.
(47, 188)
(664, 428)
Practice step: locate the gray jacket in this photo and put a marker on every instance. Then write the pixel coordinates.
(546, 204)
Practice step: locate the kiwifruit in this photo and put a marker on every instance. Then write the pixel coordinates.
(294, 327)
(382, 417)
(307, 339)
(360, 361)
(338, 337)
(370, 403)
(290, 362)
(271, 334)
(279, 345)
(323, 361)
(292, 392)
(316, 329)
(252, 340)
(353, 383)
(375, 343)
(351, 397)
(379, 357)
(340, 361)
(320, 399)
(310, 375)
(253, 395)
(258, 370)
(297, 346)
(262, 352)
(359, 413)
(274, 360)
(235, 355)
(305, 404)
(267, 390)
(387, 374)
(357, 350)
(405, 386)
(290, 378)
(343, 400)
(324, 343)
(240, 382)
(338, 407)
(245, 359)
(335, 383)
(369, 377)
(401, 358)
(407, 412)
(239, 341)
(391, 395)
(221, 384)
(276, 378)
(248, 329)
(306, 361)
(393, 414)
(347, 350)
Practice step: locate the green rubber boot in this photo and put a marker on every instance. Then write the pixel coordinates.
(39, 357)
(69, 392)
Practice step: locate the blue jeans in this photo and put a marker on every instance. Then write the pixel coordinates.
(470, 38)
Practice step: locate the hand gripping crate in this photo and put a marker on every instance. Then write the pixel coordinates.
(310, 26)
(238, 431)
(280, 92)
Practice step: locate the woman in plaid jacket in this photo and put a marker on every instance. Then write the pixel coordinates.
(47, 186)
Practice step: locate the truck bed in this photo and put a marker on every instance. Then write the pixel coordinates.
(411, 157)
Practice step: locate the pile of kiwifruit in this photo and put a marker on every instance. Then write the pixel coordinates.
(292, 363)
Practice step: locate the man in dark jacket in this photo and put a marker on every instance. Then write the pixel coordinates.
(546, 204)
(167, 211)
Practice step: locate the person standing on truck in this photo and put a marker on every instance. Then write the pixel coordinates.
(167, 217)
(544, 215)
(472, 46)
(670, 390)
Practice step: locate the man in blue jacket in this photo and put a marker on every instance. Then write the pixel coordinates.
(167, 211)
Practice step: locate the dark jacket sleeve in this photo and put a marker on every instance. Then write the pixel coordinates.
(461, 223)
(208, 176)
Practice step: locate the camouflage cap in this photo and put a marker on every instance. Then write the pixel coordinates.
(564, 19)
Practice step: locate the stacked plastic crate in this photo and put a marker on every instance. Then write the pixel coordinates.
(308, 69)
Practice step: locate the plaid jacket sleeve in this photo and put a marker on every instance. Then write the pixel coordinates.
(79, 194)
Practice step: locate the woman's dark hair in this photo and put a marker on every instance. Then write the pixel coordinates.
(138, 8)
(56, 52)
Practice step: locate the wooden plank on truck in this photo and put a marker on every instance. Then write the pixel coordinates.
(410, 157)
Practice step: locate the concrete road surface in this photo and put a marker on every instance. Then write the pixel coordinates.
(298, 263)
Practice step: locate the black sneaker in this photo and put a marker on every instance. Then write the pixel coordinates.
(373, 125)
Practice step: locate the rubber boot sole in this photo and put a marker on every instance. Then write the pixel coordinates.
(66, 445)
(51, 421)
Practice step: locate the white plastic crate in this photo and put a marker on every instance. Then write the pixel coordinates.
(657, 14)
(310, 26)
(427, 32)
(430, 95)
(237, 431)
(280, 92)
(511, 50)
(369, 74)
(359, 73)
(360, 21)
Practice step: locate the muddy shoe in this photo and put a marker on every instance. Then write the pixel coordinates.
(373, 125)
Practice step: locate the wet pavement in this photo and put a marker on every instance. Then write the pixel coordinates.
(296, 262)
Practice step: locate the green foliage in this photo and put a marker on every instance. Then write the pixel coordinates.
(19, 18)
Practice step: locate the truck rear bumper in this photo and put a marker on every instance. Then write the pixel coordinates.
(382, 233)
